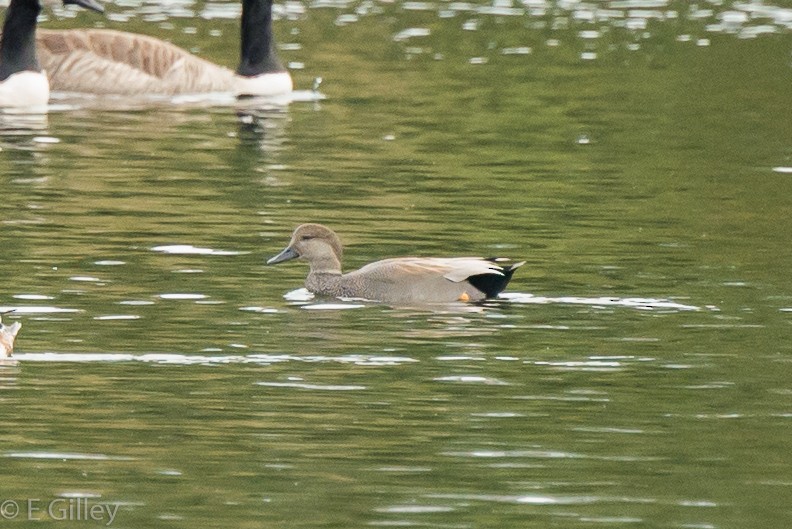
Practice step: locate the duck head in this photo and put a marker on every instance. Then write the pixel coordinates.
(317, 244)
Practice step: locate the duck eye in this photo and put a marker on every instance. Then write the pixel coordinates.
(307, 237)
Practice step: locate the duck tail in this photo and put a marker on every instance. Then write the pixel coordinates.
(493, 284)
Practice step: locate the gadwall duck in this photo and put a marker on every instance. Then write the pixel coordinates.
(7, 336)
(401, 280)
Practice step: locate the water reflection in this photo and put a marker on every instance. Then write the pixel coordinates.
(14, 124)
(71, 102)
(194, 359)
(302, 297)
(262, 130)
(635, 303)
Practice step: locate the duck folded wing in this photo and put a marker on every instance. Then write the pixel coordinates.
(455, 269)
(429, 280)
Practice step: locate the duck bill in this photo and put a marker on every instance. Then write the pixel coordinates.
(286, 255)
(93, 5)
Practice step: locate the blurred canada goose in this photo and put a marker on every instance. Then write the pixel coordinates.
(22, 82)
(107, 62)
(7, 336)
(402, 280)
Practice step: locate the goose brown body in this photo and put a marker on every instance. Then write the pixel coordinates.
(122, 63)
(109, 62)
(401, 280)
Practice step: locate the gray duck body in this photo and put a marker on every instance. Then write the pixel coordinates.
(401, 280)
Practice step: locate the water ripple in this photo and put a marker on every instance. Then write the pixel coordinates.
(471, 379)
(188, 249)
(303, 385)
(634, 303)
(31, 309)
(181, 359)
(415, 509)
(65, 456)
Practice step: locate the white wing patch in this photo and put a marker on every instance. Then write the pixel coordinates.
(462, 268)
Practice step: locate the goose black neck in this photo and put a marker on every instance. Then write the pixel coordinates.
(18, 44)
(258, 47)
